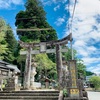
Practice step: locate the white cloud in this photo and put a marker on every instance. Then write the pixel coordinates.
(64, 1)
(60, 21)
(46, 2)
(92, 48)
(5, 4)
(14, 31)
(95, 69)
(56, 8)
(49, 2)
(56, 1)
(90, 60)
(83, 49)
(66, 7)
(86, 31)
(16, 2)
(2, 3)
(79, 43)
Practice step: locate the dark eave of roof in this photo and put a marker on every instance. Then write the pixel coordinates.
(8, 66)
(3, 62)
(5, 67)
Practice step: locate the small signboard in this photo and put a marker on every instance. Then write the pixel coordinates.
(42, 47)
(74, 92)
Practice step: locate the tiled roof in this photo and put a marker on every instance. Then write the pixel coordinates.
(3, 62)
(6, 65)
(13, 67)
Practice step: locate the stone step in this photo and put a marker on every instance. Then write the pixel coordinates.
(83, 98)
(29, 97)
(29, 94)
(29, 91)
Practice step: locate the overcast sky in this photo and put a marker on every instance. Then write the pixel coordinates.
(85, 30)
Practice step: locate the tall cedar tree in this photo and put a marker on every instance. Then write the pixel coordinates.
(3, 44)
(11, 45)
(34, 17)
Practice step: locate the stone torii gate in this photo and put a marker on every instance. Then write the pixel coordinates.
(74, 85)
(42, 45)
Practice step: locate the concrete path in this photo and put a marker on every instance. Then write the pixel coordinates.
(94, 95)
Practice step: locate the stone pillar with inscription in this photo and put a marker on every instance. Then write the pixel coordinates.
(74, 89)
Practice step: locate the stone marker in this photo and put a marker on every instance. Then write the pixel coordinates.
(74, 85)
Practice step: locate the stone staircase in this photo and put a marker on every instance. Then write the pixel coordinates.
(29, 95)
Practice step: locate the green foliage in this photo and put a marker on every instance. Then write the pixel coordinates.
(3, 44)
(65, 92)
(89, 73)
(7, 42)
(4, 84)
(11, 45)
(81, 68)
(95, 80)
(10, 39)
(68, 55)
(34, 17)
(45, 66)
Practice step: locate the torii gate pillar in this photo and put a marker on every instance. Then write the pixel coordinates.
(59, 65)
(27, 70)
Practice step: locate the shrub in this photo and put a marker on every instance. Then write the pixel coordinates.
(95, 80)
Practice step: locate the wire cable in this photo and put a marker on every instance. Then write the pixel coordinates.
(71, 22)
(68, 25)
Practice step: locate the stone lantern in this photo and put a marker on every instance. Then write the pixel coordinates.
(32, 76)
(65, 72)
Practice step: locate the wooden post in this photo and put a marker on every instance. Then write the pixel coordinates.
(27, 69)
(59, 64)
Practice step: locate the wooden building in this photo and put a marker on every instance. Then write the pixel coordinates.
(7, 71)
